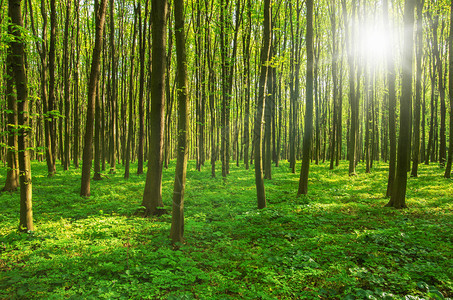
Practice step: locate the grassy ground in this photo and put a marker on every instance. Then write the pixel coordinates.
(337, 242)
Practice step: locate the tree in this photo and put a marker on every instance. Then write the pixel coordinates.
(20, 78)
(418, 89)
(398, 196)
(177, 224)
(391, 78)
(260, 106)
(94, 78)
(450, 89)
(152, 196)
(308, 130)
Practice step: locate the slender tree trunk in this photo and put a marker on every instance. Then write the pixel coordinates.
(51, 104)
(246, 77)
(450, 88)
(177, 225)
(418, 89)
(391, 78)
(398, 197)
(265, 52)
(141, 100)
(152, 196)
(113, 94)
(94, 78)
(308, 128)
(20, 78)
(335, 83)
(130, 135)
(66, 73)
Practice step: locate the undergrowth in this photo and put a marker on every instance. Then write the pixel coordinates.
(338, 242)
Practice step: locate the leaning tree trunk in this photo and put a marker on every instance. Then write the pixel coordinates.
(20, 78)
(152, 196)
(177, 224)
(308, 128)
(94, 78)
(398, 197)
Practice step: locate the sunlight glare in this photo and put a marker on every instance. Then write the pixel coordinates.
(375, 44)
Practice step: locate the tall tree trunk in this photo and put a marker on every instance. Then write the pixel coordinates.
(141, 100)
(94, 78)
(113, 94)
(177, 224)
(308, 128)
(391, 78)
(66, 73)
(335, 83)
(450, 89)
(152, 196)
(20, 78)
(51, 104)
(130, 134)
(259, 115)
(246, 78)
(418, 89)
(352, 94)
(75, 147)
(398, 197)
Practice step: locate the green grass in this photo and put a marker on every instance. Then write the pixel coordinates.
(339, 242)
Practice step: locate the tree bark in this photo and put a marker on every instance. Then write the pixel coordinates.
(94, 78)
(265, 50)
(177, 224)
(308, 126)
(152, 196)
(398, 197)
(450, 88)
(20, 78)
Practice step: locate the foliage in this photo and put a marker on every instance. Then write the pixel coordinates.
(339, 242)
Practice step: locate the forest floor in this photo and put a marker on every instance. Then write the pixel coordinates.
(339, 242)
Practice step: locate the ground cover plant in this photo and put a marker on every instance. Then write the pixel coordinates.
(338, 242)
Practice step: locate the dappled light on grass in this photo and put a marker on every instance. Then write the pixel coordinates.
(336, 242)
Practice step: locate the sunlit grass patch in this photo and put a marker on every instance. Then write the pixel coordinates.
(338, 241)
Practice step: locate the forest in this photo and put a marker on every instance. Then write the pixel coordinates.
(226, 149)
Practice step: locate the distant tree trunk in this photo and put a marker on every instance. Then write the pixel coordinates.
(20, 77)
(97, 135)
(113, 93)
(51, 104)
(12, 174)
(130, 134)
(94, 78)
(418, 89)
(352, 94)
(211, 92)
(267, 155)
(431, 134)
(265, 52)
(66, 73)
(441, 88)
(335, 83)
(177, 224)
(308, 128)
(152, 196)
(391, 78)
(246, 78)
(141, 100)
(398, 197)
(75, 147)
(450, 89)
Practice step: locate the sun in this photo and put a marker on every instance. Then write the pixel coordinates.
(375, 43)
